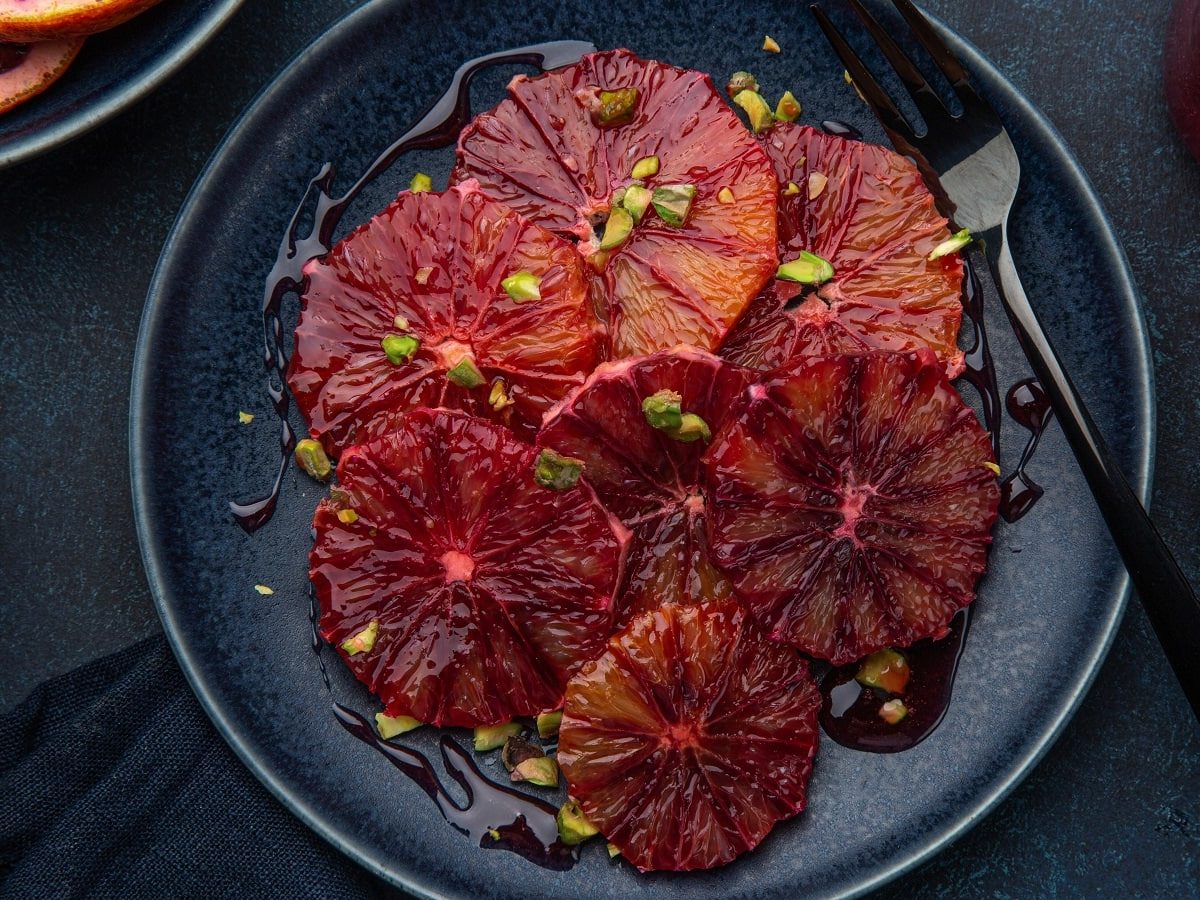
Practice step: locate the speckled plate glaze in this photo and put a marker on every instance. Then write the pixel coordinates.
(113, 70)
(1048, 606)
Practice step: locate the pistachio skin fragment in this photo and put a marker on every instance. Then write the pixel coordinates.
(617, 229)
(952, 244)
(244, 417)
(390, 726)
(817, 182)
(423, 273)
(724, 195)
(347, 516)
(264, 590)
(310, 456)
(613, 850)
(885, 670)
(492, 737)
(691, 428)
(770, 44)
(522, 287)
(400, 322)
(466, 374)
(807, 268)
(539, 770)
(791, 189)
(616, 107)
(498, 398)
(573, 826)
(788, 108)
(636, 201)
(548, 722)
(645, 167)
(893, 712)
(516, 750)
(400, 348)
(421, 184)
(363, 642)
(741, 81)
(662, 410)
(673, 203)
(757, 110)
(557, 472)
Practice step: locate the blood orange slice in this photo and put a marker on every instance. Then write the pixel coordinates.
(411, 310)
(28, 69)
(649, 479)
(690, 737)
(564, 143)
(458, 589)
(852, 501)
(866, 211)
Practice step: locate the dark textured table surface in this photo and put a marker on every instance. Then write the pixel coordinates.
(1113, 810)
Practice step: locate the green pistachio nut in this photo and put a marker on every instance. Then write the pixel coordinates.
(893, 712)
(466, 374)
(421, 183)
(363, 642)
(645, 167)
(788, 108)
(548, 722)
(616, 107)
(662, 410)
(691, 428)
(613, 850)
(741, 81)
(757, 111)
(617, 229)
(573, 826)
(636, 201)
(516, 750)
(492, 737)
(522, 287)
(390, 726)
(310, 456)
(807, 268)
(539, 770)
(673, 203)
(885, 670)
(952, 244)
(400, 348)
(557, 472)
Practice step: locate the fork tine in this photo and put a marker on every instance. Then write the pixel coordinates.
(926, 98)
(954, 71)
(877, 98)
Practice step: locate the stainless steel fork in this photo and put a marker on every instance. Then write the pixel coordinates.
(973, 170)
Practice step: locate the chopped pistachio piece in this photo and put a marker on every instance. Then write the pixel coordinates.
(347, 516)
(548, 722)
(724, 195)
(362, 642)
(757, 110)
(310, 456)
(618, 198)
(423, 273)
(390, 726)
(400, 322)
(264, 590)
(645, 167)
(893, 712)
(244, 417)
(807, 268)
(522, 287)
(491, 737)
(791, 189)
(613, 850)
(556, 472)
(539, 770)
(995, 468)
(421, 183)
(400, 348)
(662, 410)
(673, 203)
(573, 826)
(617, 229)
(788, 108)
(740, 81)
(691, 428)
(885, 670)
(636, 201)
(516, 750)
(952, 244)
(816, 184)
(466, 374)
(770, 44)
(494, 833)
(498, 398)
(616, 107)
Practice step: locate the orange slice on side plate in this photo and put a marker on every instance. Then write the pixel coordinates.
(28, 69)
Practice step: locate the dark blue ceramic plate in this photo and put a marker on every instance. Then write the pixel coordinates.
(1048, 606)
(113, 70)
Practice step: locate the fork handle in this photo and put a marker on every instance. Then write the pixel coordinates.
(1170, 602)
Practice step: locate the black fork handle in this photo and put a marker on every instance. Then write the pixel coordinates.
(1170, 602)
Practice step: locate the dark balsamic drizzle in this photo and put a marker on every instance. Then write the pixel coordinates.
(1030, 408)
(841, 129)
(438, 127)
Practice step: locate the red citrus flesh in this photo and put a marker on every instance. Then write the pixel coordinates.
(690, 737)
(874, 220)
(51, 20)
(488, 590)
(28, 69)
(851, 503)
(650, 481)
(542, 152)
(437, 261)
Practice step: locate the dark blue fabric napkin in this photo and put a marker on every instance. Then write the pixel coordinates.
(113, 783)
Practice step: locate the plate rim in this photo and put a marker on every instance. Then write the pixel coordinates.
(124, 95)
(151, 547)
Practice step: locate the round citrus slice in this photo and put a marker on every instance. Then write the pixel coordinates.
(440, 300)
(690, 737)
(51, 20)
(851, 503)
(671, 200)
(650, 477)
(28, 69)
(456, 587)
(864, 210)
